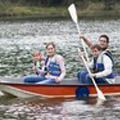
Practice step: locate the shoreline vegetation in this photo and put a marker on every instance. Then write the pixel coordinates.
(92, 10)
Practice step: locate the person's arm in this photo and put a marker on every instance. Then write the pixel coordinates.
(39, 67)
(90, 64)
(62, 67)
(34, 69)
(43, 70)
(86, 40)
(107, 67)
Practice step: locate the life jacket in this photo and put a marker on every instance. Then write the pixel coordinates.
(53, 68)
(98, 65)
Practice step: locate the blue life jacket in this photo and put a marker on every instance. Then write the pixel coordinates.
(53, 68)
(99, 67)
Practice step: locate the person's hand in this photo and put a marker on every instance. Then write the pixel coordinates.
(82, 36)
(93, 75)
(57, 79)
(81, 53)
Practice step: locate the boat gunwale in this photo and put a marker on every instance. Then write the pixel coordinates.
(28, 84)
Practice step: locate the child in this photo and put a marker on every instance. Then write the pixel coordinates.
(101, 68)
(38, 63)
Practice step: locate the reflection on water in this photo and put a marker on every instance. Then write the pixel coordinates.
(17, 42)
(59, 109)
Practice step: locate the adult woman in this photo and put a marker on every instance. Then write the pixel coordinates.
(54, 67)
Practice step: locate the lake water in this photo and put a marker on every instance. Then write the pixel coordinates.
(18, 40)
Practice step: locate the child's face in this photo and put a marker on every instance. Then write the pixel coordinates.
(37, 56)
(95, 52)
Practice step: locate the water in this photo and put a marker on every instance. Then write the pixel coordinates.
(59, 109)
(17, 42)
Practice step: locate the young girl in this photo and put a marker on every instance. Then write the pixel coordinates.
(38, 63)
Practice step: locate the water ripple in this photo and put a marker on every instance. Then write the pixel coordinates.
(20, 39)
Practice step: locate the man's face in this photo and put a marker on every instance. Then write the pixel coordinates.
(50, 51)
(95, 52)
(103, 43)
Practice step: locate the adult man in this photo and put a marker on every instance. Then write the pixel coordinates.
(103, 41)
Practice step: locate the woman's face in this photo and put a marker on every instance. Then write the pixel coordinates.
(50, 50)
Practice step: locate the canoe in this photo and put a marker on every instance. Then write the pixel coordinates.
(66, 89)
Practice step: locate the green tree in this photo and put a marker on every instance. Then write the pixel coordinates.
(109, 4)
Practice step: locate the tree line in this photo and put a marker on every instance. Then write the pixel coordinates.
(107, 3)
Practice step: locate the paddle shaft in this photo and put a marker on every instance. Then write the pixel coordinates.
(73, 14)
(99, 92)
(83, 44)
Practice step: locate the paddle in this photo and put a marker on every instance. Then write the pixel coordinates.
(73, 14)
(99, 92)
(1, 93)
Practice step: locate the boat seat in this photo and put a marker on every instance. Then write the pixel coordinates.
(70, 82)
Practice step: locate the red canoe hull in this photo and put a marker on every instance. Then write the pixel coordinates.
(61, 91)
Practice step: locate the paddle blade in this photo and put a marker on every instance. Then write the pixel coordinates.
(101, 95)
(73, 13)
(1, 93)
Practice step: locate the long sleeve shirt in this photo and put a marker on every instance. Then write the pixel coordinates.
(108, 65)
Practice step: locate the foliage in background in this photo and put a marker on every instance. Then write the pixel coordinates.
(47, 8)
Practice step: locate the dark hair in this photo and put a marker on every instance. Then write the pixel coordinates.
(106, 37)
(50, 43)
(96, 46)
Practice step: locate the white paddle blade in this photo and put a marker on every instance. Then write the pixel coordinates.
(101, 95)
(1, 93)
(73, 13)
